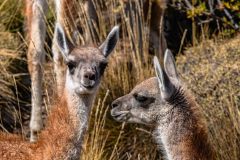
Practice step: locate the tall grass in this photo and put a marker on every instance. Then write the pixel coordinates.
(210, 70)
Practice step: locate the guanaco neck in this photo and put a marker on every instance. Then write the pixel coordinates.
(79, 107)
(182, 131)
(67, 124)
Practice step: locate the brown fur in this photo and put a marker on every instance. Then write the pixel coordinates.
(68, 120)
(178, 121)
(35, 11)
(165, 103)
(187, 132)
(28, 25)
(53, 143)
(28, 18)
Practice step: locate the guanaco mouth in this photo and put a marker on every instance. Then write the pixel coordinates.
(120, 116)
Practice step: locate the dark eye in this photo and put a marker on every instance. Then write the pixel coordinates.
(140, 98)
(71, 67)
(102, 66)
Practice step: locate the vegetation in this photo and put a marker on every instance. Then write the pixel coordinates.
(224, 12)
(210, 69)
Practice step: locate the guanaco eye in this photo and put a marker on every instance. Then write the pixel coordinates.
(71, 67)
(102, 66)
(140, 98)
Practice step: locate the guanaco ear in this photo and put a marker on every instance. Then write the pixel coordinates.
(110, 42)
(169, 64)
(62, 42)
(165, 85)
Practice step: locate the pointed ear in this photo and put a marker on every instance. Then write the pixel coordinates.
(61, 40)
(111, 41)
(165, 85)
(169, 64)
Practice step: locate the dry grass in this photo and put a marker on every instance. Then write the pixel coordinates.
(13, 91)
(210, 70)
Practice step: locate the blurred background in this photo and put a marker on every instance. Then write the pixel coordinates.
(202, 34)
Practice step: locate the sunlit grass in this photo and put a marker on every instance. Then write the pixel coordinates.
(210, 70)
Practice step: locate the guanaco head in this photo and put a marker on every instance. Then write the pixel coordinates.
(151, 100)
(85, 65)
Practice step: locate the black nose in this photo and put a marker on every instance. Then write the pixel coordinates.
(115, 104)
(90, 76)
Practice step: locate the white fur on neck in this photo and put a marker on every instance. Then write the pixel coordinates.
(161, 139)
(162, 134)
(79, 107)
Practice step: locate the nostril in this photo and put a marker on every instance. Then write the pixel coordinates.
(86, 76)
(92, 77)
(114, 105)
(89, 76)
